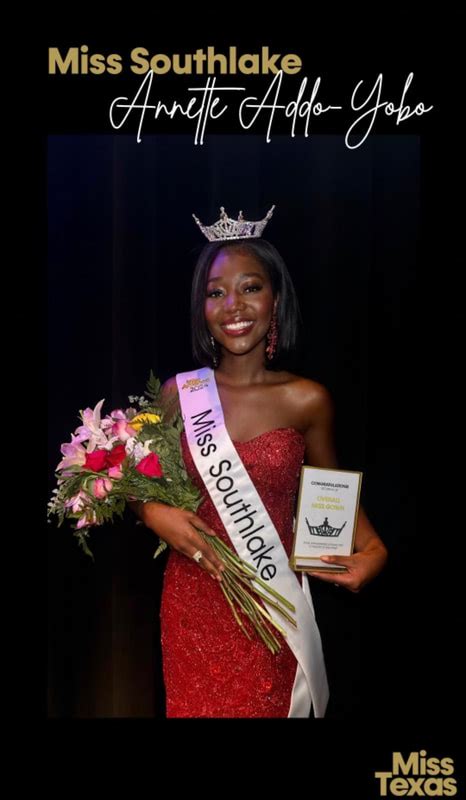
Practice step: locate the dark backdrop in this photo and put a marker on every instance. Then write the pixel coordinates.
(122, 245)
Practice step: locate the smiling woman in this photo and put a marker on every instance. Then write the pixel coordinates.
(243, 287)
(249, 426)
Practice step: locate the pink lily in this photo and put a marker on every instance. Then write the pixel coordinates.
(122, 430)
(114, 416)
(87, 519)
(74, 453)
(78, 502)
(91, 428)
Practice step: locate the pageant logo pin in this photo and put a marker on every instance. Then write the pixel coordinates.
(418, 775)
(194, 384)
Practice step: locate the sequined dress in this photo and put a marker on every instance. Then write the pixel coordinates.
(210, 667)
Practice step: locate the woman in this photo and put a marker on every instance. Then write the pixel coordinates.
(244, 315)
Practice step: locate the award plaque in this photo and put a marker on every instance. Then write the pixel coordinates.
(326, 517)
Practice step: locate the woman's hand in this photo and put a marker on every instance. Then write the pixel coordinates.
(370, 553)
(361, 567)
(177, 528)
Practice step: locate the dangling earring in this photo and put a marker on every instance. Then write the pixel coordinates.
(214, 351)
(272, 337)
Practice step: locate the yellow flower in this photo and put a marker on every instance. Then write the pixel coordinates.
(142, 419)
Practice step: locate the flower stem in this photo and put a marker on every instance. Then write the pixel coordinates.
(239, 589)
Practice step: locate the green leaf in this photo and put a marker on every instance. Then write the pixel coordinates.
(152, 387)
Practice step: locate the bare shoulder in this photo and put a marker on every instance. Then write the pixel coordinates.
(312, 401)
(169, 397)
(169, 388)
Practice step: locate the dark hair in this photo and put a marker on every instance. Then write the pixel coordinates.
(288, 313)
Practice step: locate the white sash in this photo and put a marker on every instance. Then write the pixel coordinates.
(252, 532)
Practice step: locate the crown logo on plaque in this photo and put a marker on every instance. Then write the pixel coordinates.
(228, 228)
(325, 529)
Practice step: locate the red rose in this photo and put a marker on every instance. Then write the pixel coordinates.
(96, 460)
(150, 466)
(116, 456)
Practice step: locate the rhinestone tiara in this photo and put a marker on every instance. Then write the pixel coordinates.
(227, 228)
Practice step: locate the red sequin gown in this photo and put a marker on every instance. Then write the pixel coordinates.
(210, 667)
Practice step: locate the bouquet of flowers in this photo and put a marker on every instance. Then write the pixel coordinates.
(135, 454)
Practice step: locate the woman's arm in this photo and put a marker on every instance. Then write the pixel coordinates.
(176, 526)
(370, 554)
(180, 529)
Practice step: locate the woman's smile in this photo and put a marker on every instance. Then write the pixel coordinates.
(238, 328)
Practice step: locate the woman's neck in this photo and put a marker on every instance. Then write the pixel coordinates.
(243, 370)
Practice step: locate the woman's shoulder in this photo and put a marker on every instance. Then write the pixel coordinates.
(309, 396)
(304, 387)
(169, 387)
(169, 397)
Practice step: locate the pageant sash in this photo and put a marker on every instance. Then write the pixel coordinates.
(252, 532)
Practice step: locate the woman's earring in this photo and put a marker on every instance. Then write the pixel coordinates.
(214, 351)
(272, 337)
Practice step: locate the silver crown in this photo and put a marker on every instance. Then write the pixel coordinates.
(227, 228)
